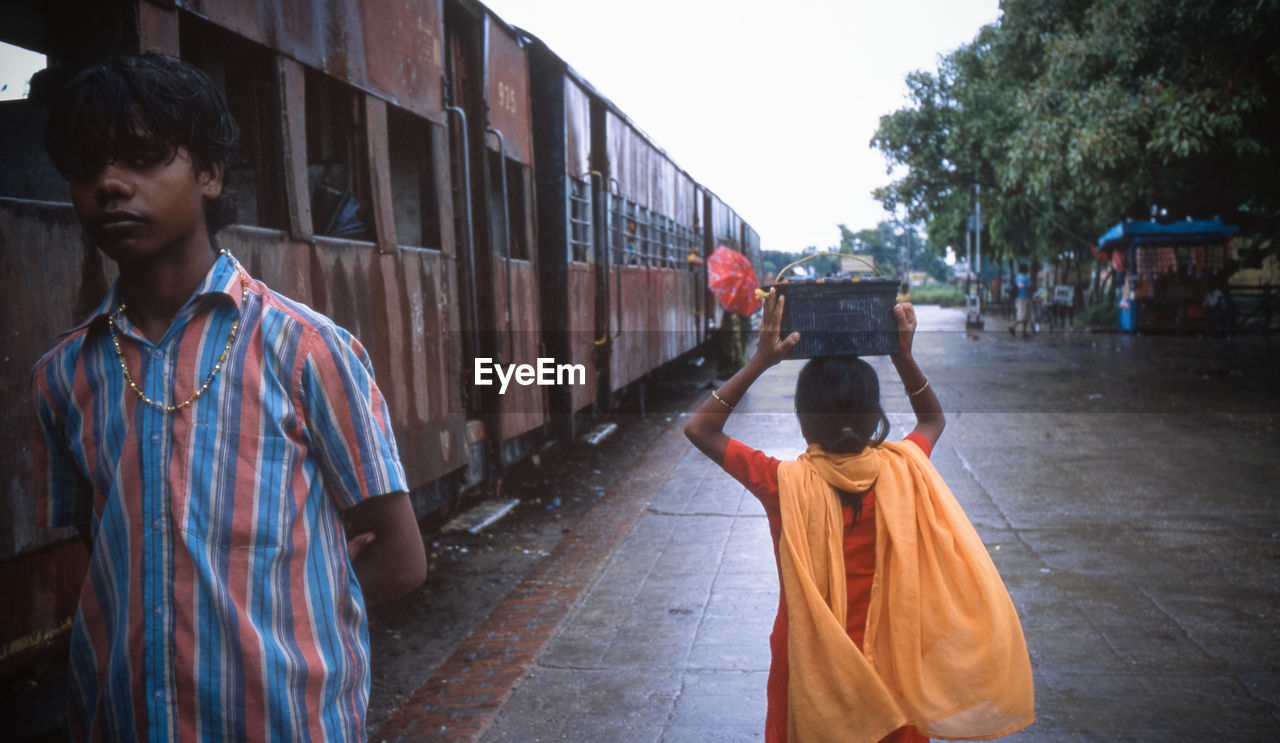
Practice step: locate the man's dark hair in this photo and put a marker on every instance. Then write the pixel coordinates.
(138, 105)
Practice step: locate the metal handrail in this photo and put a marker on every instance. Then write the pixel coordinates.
(471, 246)
(602, 238)
(506, 230)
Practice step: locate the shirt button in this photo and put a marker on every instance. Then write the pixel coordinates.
(155, 438)
(158, 696)
(157, 354)
(157, 523)
(159, 611)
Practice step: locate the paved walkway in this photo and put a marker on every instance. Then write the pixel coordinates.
(1139, 537)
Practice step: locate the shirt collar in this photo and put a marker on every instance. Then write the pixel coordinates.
(222, 279)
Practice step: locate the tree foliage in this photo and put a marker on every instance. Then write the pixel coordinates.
(1074, 114)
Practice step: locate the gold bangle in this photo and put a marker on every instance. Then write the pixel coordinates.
(923, 387)
(720, 400)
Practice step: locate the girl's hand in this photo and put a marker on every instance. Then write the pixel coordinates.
(771, 350)
(906, 316)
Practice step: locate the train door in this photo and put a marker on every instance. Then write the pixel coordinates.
(582, 302)
(491, 164)
(606, 284)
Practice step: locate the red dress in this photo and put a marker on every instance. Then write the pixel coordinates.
(759, 473)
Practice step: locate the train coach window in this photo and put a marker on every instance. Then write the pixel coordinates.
(668, 245)
(516, 209)
(339, 186)
(689, 242)
(242, 71)
(657, 246)
(626, 221)
(413, 186)
(28, 173)
(580, 220)
(648, 237)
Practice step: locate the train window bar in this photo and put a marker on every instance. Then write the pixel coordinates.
(659, 239)
(632, 249)
(646, 249)
(653, 258)
(675, 245)
(580, 222)
(617, 229)
(642, 235)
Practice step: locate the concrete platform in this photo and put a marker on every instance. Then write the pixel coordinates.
(1125, 487)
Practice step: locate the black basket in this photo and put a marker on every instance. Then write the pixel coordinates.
(840, 317)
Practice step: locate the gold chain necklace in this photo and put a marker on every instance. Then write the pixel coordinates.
(235, 326)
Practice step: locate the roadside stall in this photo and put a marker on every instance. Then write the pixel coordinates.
(1174, 275)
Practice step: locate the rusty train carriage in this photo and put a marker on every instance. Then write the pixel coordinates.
(618, 222)
(436, 181)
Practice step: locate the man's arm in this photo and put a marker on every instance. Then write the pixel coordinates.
(352, 439)
(386, 551)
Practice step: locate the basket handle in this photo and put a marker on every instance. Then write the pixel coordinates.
(792, 264)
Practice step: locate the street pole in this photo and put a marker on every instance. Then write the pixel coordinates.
(977, 239)
(968, 261)
(973, 319)
(904, 256)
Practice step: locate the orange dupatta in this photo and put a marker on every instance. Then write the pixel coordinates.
(944, 647)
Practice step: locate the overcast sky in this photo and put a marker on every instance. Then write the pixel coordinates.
(772, 105)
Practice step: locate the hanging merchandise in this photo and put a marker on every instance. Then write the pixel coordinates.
(1219, 258)
(1146, 264)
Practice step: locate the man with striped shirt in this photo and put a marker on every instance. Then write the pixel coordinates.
(210, 438)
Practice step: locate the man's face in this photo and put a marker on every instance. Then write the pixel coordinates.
(141, 205)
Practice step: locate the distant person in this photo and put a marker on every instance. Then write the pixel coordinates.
(1217, 313)
(1022, 300)
(209, 438)
(949, 655)
(904, 292)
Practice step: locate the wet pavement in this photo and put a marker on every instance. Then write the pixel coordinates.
(1125, 487)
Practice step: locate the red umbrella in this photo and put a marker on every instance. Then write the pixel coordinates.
(733, 281)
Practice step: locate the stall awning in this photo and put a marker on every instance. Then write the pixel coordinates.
(1199, 232)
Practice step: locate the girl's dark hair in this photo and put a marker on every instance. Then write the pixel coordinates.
(126, 106)
(838, 406)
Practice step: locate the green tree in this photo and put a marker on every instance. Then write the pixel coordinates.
(1074, 114)
(1156, 103)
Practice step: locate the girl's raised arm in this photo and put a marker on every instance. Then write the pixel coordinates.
(706, 428)
(929, 417)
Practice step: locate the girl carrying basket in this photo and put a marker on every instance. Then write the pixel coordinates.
(892, 623)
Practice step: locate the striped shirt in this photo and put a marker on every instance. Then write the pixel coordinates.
(220, 603)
